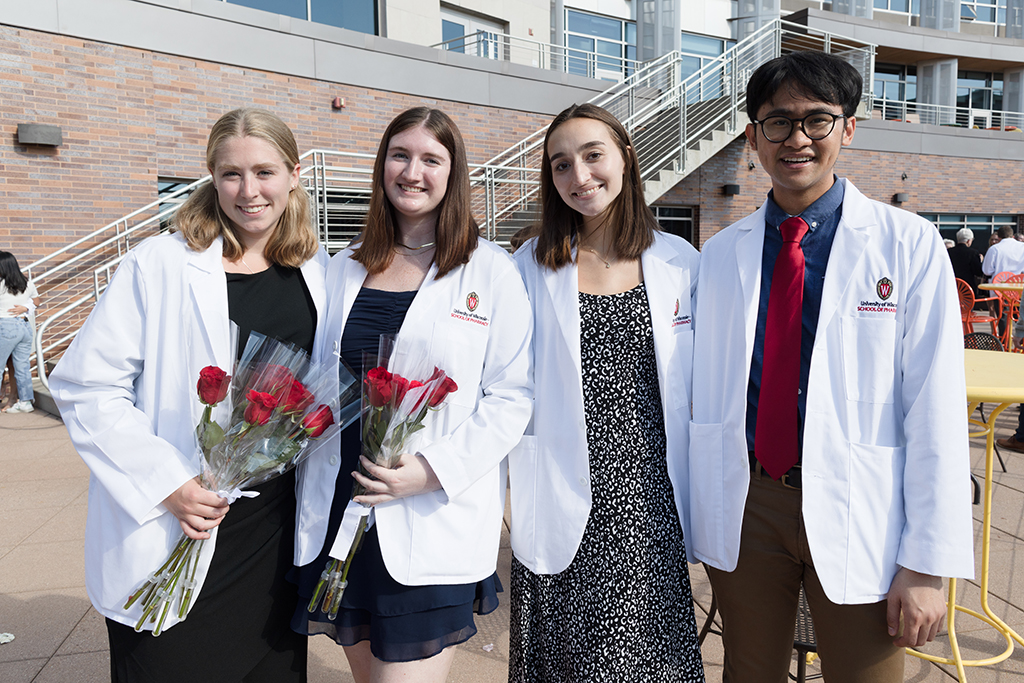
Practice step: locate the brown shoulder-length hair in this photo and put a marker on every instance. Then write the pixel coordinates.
(456, 232)
(200, 219)
(631, 219)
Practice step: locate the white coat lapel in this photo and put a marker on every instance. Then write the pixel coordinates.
(313, 275)
(663, 282)
(208, 287)
(847, 250)
(564, 289)
(432, 298)
(749, 248)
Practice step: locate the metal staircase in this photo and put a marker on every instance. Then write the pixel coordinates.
(677, 123)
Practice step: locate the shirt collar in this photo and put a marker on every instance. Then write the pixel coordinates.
(815, 214)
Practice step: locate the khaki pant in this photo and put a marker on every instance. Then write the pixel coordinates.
(758, 603)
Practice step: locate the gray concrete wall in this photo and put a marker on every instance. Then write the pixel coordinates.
(968, 143)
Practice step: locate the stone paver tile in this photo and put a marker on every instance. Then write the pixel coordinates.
(86, 667)
(90, 635)
(327, 663)
(43, 566)
(23, 671)
(33, 495)
(16, 525)
(35, 426)
(67, 525)
(40, 621)
(45, 468)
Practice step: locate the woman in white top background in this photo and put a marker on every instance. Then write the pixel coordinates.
(18, 299)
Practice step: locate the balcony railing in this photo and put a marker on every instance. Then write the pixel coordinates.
(504, 47)
(940, 115)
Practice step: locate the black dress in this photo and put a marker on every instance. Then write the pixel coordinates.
(623, 610)
(402, 623)
(238, 629)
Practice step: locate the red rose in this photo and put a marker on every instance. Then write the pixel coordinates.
(402, 387)
(213, 385)
(298, 399)
(261, 407)
(377, 386)
(317, 421)
(275, 379)
(441, 392)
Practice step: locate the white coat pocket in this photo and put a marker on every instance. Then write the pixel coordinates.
(869, 358)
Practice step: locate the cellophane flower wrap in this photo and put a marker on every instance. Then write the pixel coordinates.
(279, 405)
(394, 408)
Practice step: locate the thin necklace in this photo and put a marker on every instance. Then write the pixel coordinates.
(594, 252)
(422, 246)
(242, 259)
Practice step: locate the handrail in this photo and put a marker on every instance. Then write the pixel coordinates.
(946, 115)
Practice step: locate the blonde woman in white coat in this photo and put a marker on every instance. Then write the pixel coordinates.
(600, 586)
(421, 270)
(243, 251)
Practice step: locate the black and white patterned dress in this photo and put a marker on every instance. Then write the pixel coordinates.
(622, 611)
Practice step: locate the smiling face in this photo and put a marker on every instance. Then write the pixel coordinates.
(253, 183)
(587, 167)
(800, 168)
(416, 174)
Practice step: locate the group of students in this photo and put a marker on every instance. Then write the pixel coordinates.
(785, 407)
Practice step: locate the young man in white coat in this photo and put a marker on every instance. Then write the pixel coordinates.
(829, 444)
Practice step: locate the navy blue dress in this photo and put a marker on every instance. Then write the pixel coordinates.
(402, 623)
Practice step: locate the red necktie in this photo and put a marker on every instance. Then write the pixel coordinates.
(775, 435)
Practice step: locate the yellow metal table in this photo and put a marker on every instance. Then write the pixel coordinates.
(992, 377)
(1002, 286)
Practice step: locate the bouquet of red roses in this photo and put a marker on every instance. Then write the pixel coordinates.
(279, 404)
(393, 410)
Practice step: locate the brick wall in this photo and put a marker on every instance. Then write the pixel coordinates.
(936, 184)
(129, 116)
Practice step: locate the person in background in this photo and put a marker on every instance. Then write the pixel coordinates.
(600, 585)
(18, 301)
(1007, 255)
(1015, 442)
(243, 250)
(828, 448)
(966, 260)
(420, 269)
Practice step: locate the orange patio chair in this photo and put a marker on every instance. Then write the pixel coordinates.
(967, 314)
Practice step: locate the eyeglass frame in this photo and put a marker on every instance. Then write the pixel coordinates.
(793, 122)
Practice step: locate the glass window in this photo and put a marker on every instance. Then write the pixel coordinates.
(701, 45)
(983, 225)
(676, 220)
(355, 15)
(451, 30)
(591, 25)
(290, 8)
(899, 5)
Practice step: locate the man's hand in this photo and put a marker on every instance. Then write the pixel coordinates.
(919, 598)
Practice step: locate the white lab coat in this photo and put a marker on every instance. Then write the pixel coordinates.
(1006, 255)
(449, 536)
(126, 389)
(550, 470)
(885, 456)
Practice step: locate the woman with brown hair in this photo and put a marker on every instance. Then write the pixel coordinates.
(600, 588)
(243, 251)
(422, 271)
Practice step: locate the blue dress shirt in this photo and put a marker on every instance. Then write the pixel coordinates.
(822, 218)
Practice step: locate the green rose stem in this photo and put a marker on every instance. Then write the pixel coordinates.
(190, 571)
(152, 582)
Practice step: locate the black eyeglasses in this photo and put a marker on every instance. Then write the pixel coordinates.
(815, 126)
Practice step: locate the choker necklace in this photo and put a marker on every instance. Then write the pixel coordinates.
(594, 252)
(419, 248)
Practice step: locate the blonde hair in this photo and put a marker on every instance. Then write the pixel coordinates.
(201, 220)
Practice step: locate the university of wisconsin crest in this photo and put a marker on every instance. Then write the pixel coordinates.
(884, 288)
(676, 312)
(472, 301)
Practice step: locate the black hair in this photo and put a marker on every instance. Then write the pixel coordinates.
(10, 274)
(817, 75)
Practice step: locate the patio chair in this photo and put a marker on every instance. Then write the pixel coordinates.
(967, 315)
(1010, 306)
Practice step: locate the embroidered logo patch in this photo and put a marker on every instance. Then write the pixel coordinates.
(884, 288)
(676, 312)
(472, 301)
